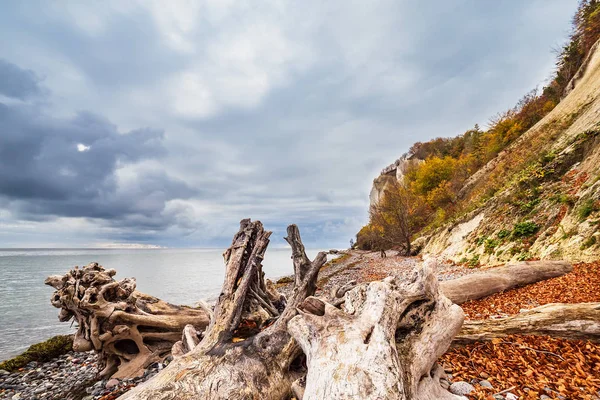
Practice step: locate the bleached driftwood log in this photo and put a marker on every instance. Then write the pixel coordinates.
(235, 365)
(129, 330)
(568, 321)
(382, 344)
(481, 284)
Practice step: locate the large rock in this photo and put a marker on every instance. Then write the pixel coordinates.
(461, 388)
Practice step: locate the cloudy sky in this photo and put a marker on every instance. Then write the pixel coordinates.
(166, 122)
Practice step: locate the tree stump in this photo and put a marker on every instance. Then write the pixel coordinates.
(242, 355)
(382, 344)
(129, 330)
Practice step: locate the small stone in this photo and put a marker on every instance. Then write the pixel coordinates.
(486, 384)
(3, 372)
(461, 388)
(510, 396)
(112, 383)
(544, 397)
(484, 375)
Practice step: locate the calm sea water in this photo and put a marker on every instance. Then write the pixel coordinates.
(180, 276)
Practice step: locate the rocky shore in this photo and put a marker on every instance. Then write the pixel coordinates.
(71, 376)
(478, 371)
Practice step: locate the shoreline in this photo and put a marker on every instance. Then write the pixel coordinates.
(73, 376)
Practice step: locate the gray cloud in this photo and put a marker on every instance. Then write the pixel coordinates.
(54, 167)
(203, 113)
(18, 83)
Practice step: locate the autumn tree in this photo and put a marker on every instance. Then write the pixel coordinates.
(395, 218)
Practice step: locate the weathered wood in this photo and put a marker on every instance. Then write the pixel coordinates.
(487, 282)
(567, 321)
(227, 364)
(129, 330)
(382, 344)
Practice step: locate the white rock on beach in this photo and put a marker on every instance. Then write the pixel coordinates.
(461, 388)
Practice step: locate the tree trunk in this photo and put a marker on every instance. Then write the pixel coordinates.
(567, 321)
(129, 330)
(382, 344)
(494, 280)
(232, 363)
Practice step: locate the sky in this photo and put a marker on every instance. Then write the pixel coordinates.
(167, 122)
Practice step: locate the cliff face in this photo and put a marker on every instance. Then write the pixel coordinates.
(390, 173)
(547, 209)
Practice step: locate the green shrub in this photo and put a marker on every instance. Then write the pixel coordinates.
(588, 207)
(504, 233)
(524, 256)
(474, 261)
(525, 229)
(563, 199)
(589, 242)
(530, 205)
(41, 352)
(490, 245)
(547, 157)
(514, 250)
(480, 240)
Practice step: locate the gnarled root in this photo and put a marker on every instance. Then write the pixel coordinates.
(246, 352)
(382, 344)
(129, 330)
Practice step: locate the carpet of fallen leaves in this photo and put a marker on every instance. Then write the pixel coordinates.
(530, 366)
(582, 285)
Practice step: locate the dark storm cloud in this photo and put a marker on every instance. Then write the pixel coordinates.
(18, 83)
(54, 167)
(251, 109)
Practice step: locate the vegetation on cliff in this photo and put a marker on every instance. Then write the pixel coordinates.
(440, 183)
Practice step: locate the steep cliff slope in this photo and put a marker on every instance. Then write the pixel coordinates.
(549, 198)
(527, 186)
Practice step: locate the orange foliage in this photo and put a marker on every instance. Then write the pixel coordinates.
(530, 365)
(582, 285)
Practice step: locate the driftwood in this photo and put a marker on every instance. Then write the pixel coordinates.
(567, 321)
(233, 363)
(129, 330)
(494, 280)
(372, 341)
(382, 344)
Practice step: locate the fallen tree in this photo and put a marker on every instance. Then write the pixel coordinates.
(382, 344)
(350, 352)
(481, 284)
(229, 362)
(567, 321)
(129, 330)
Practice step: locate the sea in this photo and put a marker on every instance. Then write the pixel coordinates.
(179, 276)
